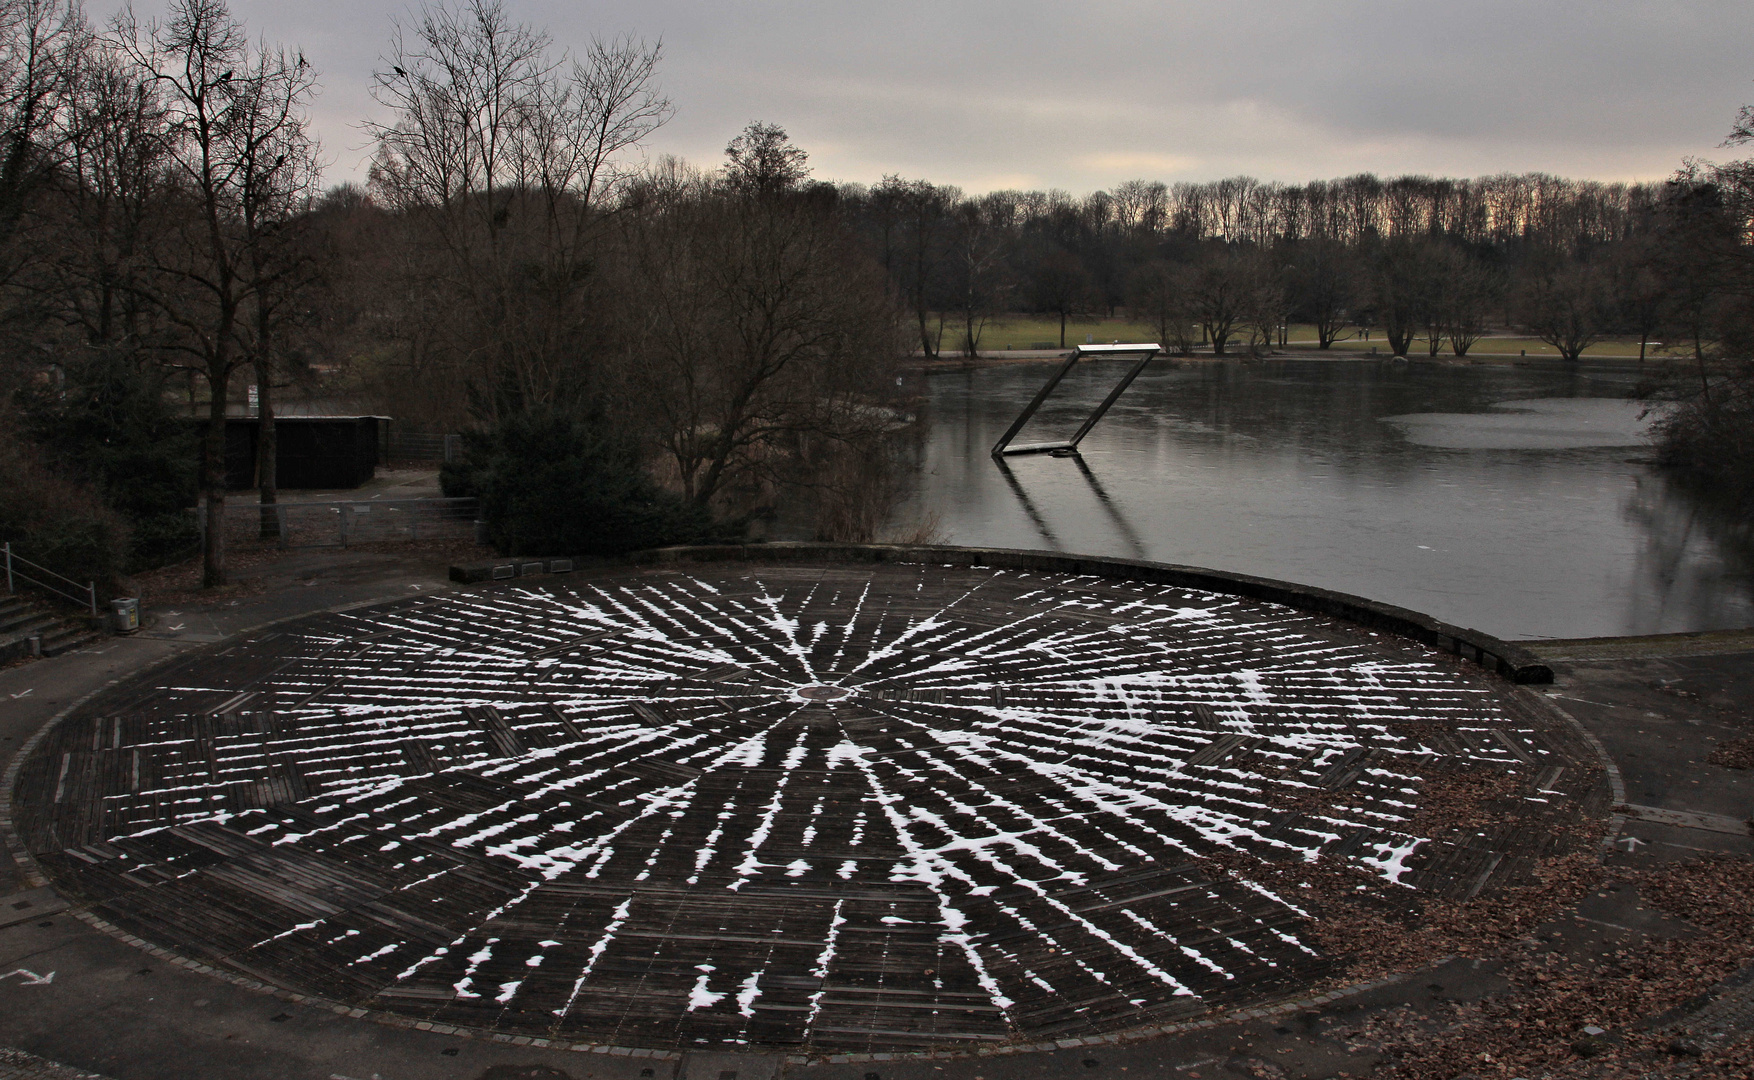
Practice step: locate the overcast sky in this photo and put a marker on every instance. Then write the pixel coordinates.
(1081, 96)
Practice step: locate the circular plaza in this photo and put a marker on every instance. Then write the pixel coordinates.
(825, 807)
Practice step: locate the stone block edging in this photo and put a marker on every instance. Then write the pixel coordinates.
(1506, 658)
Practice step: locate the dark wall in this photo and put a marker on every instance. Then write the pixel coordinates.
(313, 452)
(240, 454)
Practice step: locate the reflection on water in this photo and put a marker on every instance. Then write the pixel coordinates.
(1698, 554)
(1498, 498)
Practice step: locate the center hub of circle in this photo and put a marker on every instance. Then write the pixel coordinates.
(819, 692)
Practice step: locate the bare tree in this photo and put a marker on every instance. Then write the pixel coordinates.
(1265, 310)
(1398, 287)
(502, 159)
(1222, 289)
(208, 73)
(1639, 288)
(1565, 306)
(763, 160)
(913, 219)
(41, 43)
(277, 179)
(114, 139)
(757, 326)
(1322, 282)
(1159, 293)
(1470, 293)
(1141, 207)
(1432, 269)
(1058, 283)
(977, 284)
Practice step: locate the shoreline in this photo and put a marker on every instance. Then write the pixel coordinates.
(921, 364)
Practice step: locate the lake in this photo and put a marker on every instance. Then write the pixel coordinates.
(1513, 500)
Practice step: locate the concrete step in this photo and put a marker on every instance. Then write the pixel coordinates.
(67, 638)
(27, 620)
(23, 618)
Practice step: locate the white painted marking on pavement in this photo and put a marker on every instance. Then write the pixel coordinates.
(31, 978)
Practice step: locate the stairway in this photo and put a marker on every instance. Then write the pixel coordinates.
(22, 619)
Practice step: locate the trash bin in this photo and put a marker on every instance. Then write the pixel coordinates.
(126, 615)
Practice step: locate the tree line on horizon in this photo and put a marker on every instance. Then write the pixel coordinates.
(1431, 263)
(643, 353)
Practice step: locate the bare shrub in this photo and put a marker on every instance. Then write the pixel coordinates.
(55, 520)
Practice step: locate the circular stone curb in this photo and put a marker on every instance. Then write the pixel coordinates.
(1506, 658)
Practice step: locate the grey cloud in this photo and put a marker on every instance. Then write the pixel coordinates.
(979, 93)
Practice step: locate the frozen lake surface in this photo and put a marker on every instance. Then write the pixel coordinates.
(1535, 424)
(1512, 500)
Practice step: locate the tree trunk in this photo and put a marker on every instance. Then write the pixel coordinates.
(213, 478)
(1220, 330)
(267, 452)
(1062, 328)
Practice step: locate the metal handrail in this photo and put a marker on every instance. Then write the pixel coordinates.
(89, 588)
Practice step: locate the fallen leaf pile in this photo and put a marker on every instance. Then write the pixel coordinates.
(1373, 928)
(1537, 1028)
(1736, 754)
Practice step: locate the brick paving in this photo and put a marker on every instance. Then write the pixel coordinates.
(1729, 1015)
(18, 1065)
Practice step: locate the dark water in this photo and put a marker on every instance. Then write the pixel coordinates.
(1512, 500)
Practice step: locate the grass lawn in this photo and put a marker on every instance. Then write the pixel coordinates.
(1515, 346)
(1034, 331)
(1499, 346)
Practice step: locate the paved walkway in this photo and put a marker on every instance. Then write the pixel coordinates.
(1728, 1014)
(80, 996)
